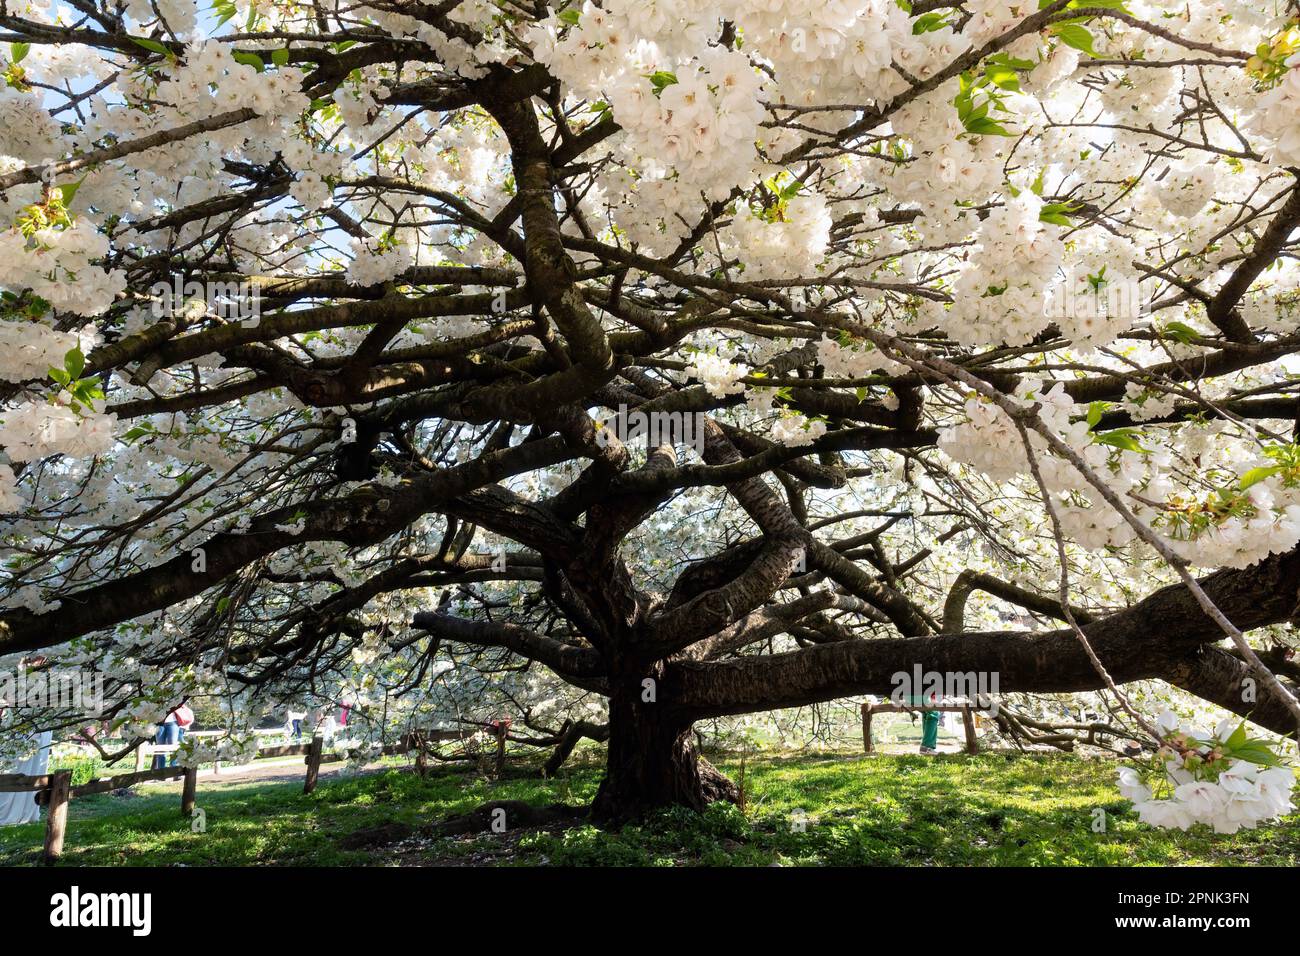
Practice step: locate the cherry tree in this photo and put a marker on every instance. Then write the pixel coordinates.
(649, 361)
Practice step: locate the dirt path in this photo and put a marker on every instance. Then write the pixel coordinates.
(271, 771)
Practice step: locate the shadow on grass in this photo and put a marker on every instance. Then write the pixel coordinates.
(951, 810)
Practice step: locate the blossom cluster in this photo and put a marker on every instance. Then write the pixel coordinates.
(854, 359)
(1277, 117)
(1204, 784)
(28, 350)
(1237, 525)
(843, 51)
(48, 428)
(999, 296)
(689, 112)
(371, 265)
(209, 79)
(697, 118)
(795, 431)
(790, 246)
(719, 376)
(29, 132)
(56, 264)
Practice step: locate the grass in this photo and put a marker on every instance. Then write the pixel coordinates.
(953, 810)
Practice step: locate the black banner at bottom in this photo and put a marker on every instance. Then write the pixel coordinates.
(342, 906)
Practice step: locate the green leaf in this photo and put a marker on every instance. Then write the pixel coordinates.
(660, 79)
(984, 126)
(153, 46)
(74, 362)
(17, 51)
(1124, 439)
(1099, 4)
(87, 390)
(1180, 332)
(225, 10)
(928, 22)
(280, 57)
(571, 16)
(1081, 4)
(1256, 752)
(1239, 736)
(1256, 475)
(1015, 62)
(249, 59)
(68, 190)
(1072, 34)
(1095, 411)
(1057, 213)
(1003, 76)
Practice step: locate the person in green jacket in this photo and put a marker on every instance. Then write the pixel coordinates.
(929, 731)
(929, 727)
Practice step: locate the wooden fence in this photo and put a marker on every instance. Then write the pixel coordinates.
(54, 790)
(966, 709)
(149, 748)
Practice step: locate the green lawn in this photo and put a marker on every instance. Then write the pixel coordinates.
(992, 809)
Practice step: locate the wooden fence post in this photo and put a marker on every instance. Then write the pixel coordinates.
(187, 791)
(56, 814)
(313, 763)
(421, 754)
(972, 745)
(500, 730)
(866, 729)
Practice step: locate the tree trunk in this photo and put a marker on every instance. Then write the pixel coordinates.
(653, 763)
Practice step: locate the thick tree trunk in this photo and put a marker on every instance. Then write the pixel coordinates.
(653, 763)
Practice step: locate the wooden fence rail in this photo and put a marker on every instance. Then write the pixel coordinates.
(19, 782)
(54, 790)
(105, 784)
(966, 709)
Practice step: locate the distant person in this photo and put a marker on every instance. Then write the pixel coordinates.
(171, 732)
(184, 719)
(296, 718)
(168, 735)
(929, 724)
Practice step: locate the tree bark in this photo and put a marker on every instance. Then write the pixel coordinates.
(652, 762)
(1166, 636)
